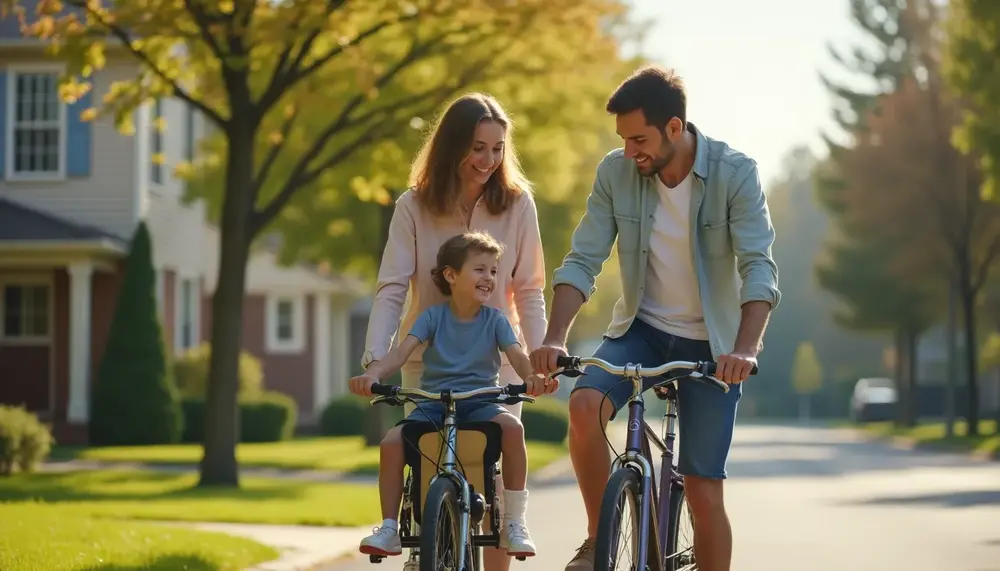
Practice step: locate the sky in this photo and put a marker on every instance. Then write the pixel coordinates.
(751, 68)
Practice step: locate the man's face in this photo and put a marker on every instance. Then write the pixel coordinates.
(645, 144)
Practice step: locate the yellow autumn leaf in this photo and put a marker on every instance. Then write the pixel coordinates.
(158, 159)
(88, 114)
(275, 138)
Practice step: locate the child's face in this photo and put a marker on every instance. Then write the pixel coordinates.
(476, 279)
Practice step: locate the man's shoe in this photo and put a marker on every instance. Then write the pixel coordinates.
(584, 558)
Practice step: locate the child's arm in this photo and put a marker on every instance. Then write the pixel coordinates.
(393, 362)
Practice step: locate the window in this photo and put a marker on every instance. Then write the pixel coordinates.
(188, 305)
(37, 130)
(156, 142)
(25, 311)
(286, 324)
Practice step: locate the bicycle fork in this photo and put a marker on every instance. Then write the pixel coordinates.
(449, 467)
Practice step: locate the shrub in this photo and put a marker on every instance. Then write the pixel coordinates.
(24, 440)
(545, 420)
(191, 373)
(345, 416)
(135, 400)
(268, 417)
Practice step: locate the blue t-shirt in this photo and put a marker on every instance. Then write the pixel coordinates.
(462, 355)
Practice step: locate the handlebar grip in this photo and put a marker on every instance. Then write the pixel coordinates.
(514, 390)
(710, 368)
(567, 362)
(383, 390)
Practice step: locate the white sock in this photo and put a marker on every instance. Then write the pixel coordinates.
(515, 504)
(390, 523)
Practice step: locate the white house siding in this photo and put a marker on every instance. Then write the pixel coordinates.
(105, 199)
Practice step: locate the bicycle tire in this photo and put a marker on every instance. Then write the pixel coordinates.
(442, 500)
(673, 529)
(624, 484)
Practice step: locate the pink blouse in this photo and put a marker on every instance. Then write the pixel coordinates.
(411, 252)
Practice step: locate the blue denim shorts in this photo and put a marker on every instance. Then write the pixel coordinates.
(706, 415)
(465, 411)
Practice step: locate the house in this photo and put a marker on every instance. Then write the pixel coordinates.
(71, 195)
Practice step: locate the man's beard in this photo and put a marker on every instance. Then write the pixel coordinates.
(658, 163)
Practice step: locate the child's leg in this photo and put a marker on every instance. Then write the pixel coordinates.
(514, 451)
(385, 540)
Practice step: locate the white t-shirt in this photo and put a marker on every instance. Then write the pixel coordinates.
(671, 301)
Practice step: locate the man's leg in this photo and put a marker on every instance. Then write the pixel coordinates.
(589, 413)
(707, 418)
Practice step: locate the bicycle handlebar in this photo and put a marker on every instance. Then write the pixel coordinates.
(703, 370)
(513, 393)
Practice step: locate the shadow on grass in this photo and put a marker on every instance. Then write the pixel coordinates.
(126, 485)
(177, 562)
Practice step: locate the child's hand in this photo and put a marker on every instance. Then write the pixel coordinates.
(541, 385)
(362, 384)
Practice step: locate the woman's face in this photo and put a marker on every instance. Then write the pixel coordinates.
(486, 154)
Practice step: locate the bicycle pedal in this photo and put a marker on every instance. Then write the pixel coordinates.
(375, 558)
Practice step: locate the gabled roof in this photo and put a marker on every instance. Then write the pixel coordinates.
(23, 225)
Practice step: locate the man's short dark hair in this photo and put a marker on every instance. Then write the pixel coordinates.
(658, 91)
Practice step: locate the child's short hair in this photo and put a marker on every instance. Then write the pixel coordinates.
(455, 251)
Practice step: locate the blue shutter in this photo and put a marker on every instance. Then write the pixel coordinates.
(3, 121)
(79, 137)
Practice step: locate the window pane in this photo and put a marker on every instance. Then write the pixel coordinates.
(12, 311)
(286, 317)
(36, 310)
(37, 129)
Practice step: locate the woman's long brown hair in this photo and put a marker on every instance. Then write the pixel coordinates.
(435, 173)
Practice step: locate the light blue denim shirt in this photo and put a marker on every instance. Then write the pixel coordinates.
(731, 237)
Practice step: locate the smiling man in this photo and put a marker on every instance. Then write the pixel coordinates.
(694, 247)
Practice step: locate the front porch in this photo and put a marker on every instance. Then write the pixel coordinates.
(58, 285)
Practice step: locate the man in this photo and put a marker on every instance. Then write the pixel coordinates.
(694, 245)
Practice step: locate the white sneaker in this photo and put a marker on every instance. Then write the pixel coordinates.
(383, 541)
(515, 537)
(411, 565)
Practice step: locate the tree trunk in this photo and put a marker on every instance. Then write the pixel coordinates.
(218, 464)
(951, 383)
(969, 321)
(912, 403)
(902, 382)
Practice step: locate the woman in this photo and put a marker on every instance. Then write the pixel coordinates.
(466, 177)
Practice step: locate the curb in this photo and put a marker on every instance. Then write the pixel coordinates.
(906, 443)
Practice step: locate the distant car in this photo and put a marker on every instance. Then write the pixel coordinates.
(874, 400)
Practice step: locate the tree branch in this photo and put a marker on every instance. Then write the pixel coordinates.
(126, 40)
(201, 20)
(284, 81)
(983, 271)
(272, 155)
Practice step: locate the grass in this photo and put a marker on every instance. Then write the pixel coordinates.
(933, 435)
(340, 454)
(140, 494)
(35, 537)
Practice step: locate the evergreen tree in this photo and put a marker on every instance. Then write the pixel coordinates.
(135, 400)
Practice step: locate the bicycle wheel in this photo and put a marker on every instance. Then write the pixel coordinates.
(623, 493)
(680, 533)
(440, 542)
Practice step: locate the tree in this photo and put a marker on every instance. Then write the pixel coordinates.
(971, 52)
(909, 186)
(807, 376)
(254, 68)
(135, 400)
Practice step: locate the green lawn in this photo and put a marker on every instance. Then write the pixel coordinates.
(52, 538)
(346, 454)
(171, 496)
(933, 434)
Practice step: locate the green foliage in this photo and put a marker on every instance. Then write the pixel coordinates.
(267, 417)
(135, 400)
(191, 373)
(344, 416)
(24, 440)
(545, 420)
(970, 66)
(807, 372)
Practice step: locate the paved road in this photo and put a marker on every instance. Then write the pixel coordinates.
(819, 500)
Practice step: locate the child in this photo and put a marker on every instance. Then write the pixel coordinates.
(464, 339)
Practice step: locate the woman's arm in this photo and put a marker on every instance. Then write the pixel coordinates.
(528, 280)
(398, 266)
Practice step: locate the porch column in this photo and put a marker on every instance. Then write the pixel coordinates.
(341, 347)
(321, 353)
(80, 274)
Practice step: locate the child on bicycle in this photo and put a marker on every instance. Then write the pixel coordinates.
(463, 340)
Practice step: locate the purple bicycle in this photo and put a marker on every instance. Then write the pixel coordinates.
(655, 510)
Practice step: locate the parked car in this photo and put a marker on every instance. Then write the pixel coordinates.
(874, 399)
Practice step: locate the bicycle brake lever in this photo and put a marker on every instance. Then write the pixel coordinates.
(571, 373)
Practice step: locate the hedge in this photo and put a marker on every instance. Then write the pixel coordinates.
(24, 440)
(269, 417)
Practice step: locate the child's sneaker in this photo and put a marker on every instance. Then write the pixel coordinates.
(383, 541)
(517, 539)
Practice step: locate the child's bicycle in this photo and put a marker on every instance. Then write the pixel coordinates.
(451, 483)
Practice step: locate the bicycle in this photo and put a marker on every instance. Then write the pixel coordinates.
(445, 471)
(656, 509)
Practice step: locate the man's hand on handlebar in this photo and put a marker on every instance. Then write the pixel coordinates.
(735, 367)
(543, 359)
(362, 384)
